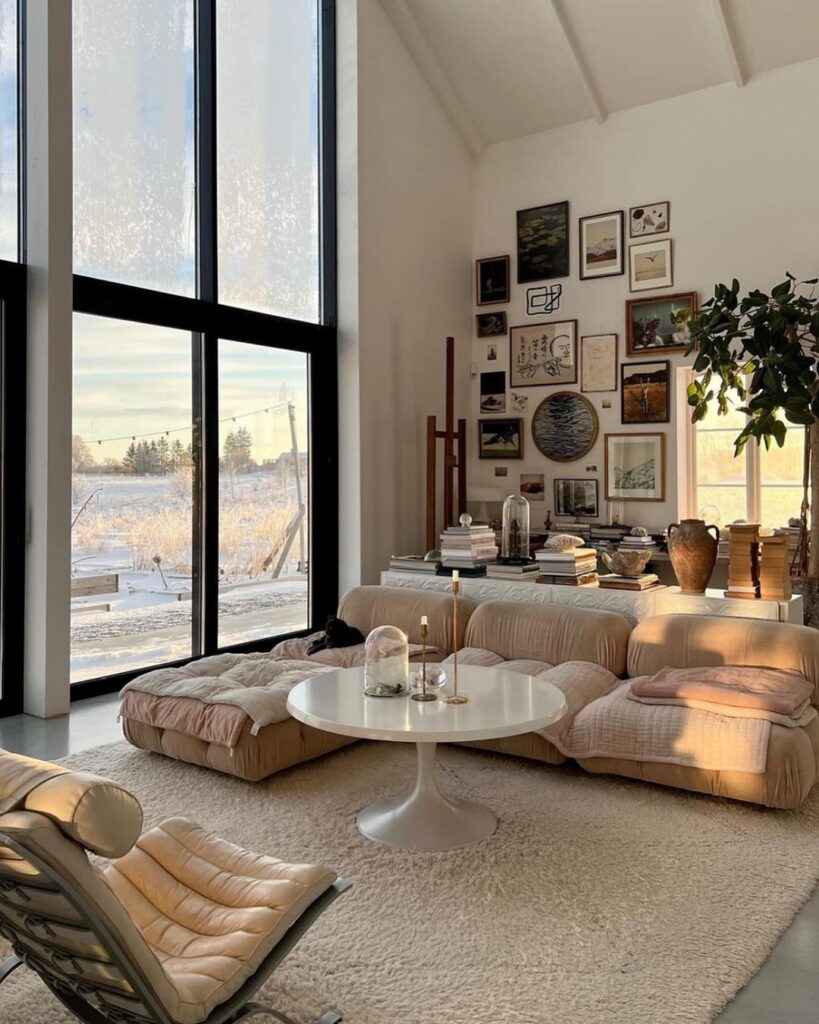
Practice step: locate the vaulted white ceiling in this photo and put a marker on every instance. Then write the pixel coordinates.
(505, 68)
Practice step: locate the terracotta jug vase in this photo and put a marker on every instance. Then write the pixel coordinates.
(693, 553)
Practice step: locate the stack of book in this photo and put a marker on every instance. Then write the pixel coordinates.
(468, 547)
(743, 561)
(645, 581)
(500, 571)
(631, 543)
(575, 568)
(774, 569)
(582, 530)
(413, 563)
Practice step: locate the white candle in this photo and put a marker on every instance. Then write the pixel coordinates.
(455, 575)
(424, 620)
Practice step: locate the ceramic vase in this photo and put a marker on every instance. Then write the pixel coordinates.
(692, 548)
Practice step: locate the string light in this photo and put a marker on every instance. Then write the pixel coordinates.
(182, 430)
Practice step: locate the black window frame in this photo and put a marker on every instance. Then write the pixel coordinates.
(210, 322)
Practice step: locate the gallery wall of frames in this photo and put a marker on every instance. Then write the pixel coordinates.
(591, 254)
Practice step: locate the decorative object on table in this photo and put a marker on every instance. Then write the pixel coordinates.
(500, 439)
(572, 567)
(543, 300)
(743, 561)
(651, 219)
(492, 280)
(386, 662)
(455, 697)
(543, 354)
(601, 245)
(564, 426)
(659, 324)
(598, 362)
(576, 498)
(543, 242)
(533, 486)
(650, 266)
(520, 403)
(336, 634)
(644, 392)
(452, 463)
(491, 353)
(493, 391)
(436, 681)
(692, 548)
(563, 542)
(466, 546)
(515, 535)
(423, 694)
(490, 325)
(774, 568)
(635, 467)
(626, 563)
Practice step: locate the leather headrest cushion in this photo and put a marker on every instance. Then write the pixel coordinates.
(95, 812)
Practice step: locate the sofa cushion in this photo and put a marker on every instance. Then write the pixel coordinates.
(368, 607)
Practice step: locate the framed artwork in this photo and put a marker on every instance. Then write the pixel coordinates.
(490, 325)
(501, 471)
(598, 362)
(659, 324)
(651, 219)
(493, 391)
(500, 439)
(649, 266)
(543, 354)
(564, 426)
(644, 392)
(543, 242)
(491, 353)
(577, 498)
(601, 245)
(492, 280)
(635, 467)
(533, 486)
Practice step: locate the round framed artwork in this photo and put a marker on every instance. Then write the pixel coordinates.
(564, 426)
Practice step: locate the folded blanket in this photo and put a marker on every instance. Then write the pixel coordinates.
(779, 691)
(805, 718)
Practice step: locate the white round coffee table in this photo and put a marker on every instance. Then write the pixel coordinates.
(500, 704)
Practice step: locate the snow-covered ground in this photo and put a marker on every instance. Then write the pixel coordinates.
(147, 620)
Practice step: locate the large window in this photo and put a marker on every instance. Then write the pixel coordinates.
(9, 134)
(204, 340)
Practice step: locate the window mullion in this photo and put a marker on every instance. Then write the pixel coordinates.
(205, 75)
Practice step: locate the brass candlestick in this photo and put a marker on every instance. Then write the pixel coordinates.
(456, 697)
(424, 694)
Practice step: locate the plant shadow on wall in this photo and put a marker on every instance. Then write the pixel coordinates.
(762, 352)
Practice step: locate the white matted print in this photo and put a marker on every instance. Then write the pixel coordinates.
(650, 265)
(598, 362)
(635, 467)
(601, 245)
(651, 219)
(543, 354)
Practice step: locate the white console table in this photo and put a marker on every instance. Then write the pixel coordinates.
(634, 605)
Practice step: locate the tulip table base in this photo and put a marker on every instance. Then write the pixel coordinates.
(425, 819)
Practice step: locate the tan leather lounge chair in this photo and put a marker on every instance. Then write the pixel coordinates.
(180, 927)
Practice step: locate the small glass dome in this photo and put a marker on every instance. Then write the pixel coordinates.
(386, 662)
(515, 543)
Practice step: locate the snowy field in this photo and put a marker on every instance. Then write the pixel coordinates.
(140, 528)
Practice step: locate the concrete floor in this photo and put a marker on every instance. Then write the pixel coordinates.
(785, 991)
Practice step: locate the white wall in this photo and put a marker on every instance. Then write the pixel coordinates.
(405, 278)
(740, 168)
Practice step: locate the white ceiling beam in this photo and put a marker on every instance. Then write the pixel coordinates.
(729, 43)
(580, 66)
(436, 77)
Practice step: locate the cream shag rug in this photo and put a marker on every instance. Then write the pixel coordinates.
(597, 901)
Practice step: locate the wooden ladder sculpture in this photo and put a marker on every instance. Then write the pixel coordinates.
(451, 461)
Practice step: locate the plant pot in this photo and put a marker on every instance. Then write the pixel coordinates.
(693, 553)
(809, 589)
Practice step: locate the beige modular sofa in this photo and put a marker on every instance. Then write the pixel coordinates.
(534, 638)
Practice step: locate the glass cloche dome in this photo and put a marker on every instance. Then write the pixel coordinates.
(515, 542)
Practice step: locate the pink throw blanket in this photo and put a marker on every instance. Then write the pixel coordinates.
(781, 692)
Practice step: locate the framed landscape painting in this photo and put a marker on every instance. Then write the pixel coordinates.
(644, 392)
(543, 354)
(490, 325)
(500, 439)
(659, 324)
(649, 266)
(492, 280)
(543, 242)
(576, 498)
(601, 245)
(635, 467)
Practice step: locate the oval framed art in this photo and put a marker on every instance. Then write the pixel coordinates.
(564, 426)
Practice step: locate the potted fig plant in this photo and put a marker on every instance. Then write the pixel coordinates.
(760, 353)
